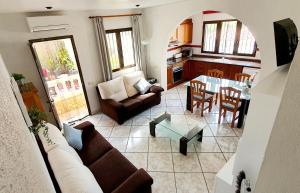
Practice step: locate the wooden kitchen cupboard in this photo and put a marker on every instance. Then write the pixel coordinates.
(185, 32)
(169, 76)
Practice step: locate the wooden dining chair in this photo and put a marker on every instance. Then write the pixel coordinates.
(242, 77)
(229, 101)
(199, 96)
(217, 74)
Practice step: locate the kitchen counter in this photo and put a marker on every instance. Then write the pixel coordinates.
(249, 64)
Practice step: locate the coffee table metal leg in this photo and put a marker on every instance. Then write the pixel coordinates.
(200, 135)
(183, 145)
(152, 128)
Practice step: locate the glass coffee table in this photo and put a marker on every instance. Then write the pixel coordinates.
(177, 128)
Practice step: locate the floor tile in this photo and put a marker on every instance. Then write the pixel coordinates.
(222, 130)
(190, 183)
(238, 131)
(119, 143)
(173, 103)
(140, 131)
(188, 163)
(228, 155)
(172, 96)
(159, 145)
(213, 118)
(210, 181)
(211, 162)
(120, 131)
(106, 123)
(175, 147)
(228, 144)
(104, 131)
(139, 160)
(156, 111)
(137, 145)
(208, 144)
(175, 110)
(141, 120)
(163, 182)
(160, 162)
(128, 122)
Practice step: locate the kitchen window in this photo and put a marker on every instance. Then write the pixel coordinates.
(228, 37)
(120, 48)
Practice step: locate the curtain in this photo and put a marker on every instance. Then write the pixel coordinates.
(137, 42)
(102, 48)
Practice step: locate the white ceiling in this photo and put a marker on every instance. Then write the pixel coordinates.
(60, 5)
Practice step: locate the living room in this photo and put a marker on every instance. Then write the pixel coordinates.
(160, 157)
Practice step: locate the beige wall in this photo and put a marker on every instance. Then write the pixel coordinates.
(21, 164)
(14, 36)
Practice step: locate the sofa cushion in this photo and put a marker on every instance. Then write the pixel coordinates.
(113, 89)
(130, 80)
(146, 98)
(54, 135)
(142, 86)
(71, 175)
(111, 170)
(131, 104)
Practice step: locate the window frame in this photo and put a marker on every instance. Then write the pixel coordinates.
(119, 47)
(218, 38)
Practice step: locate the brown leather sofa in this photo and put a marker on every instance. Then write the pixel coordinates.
(124, 110)
(113, 172)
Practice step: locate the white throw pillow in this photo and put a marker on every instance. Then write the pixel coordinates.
(57, 141)
(113, 89)
(142, 86)
(130, 80)
(72, 176)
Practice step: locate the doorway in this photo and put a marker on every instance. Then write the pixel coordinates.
(58, 65)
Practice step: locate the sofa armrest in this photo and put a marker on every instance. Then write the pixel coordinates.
(86, 127)
(138, 181)
(156, 89)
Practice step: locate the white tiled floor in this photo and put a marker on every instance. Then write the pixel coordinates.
(172, 172)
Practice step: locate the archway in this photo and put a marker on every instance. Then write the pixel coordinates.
(210, 35)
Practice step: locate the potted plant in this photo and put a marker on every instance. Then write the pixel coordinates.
(19, 78)
(38, 119)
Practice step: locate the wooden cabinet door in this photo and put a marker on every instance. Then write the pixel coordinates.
(186, 70)
(185, 32)
(197, 68)
(169, 77)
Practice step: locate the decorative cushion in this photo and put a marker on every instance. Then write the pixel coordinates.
(207, 96)
(130, 80)
(54, 135)
(72, 176)
(73, 136)
(142, 86)
(113, 89)
(230, 106)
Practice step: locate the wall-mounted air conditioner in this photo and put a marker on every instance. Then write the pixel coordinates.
(47, 23)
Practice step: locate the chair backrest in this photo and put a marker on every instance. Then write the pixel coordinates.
(197, 88)
(215, 73)
(230, 95)
(242, 77)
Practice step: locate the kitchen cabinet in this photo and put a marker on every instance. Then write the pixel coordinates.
(186, 70)
(184, 33)
(169, 76)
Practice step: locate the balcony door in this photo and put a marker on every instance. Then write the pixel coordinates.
(57, 62)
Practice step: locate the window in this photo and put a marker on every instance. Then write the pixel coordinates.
(228, 37)
(120, 48)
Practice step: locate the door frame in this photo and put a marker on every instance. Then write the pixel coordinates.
(32, 41)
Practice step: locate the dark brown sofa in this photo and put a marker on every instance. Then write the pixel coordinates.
(124, 110)
(113, 172)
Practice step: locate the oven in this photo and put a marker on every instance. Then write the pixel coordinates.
(177, 74)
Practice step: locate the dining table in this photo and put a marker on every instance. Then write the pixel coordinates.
(213, 87)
